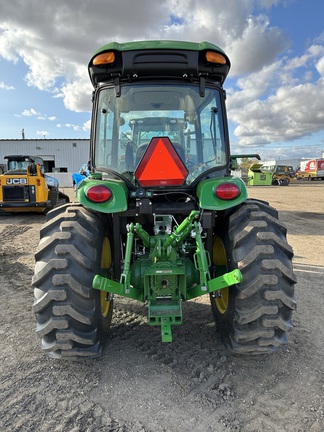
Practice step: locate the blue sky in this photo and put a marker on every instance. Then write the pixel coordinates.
(275, 88)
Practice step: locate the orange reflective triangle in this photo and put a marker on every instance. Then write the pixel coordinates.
(161, 165)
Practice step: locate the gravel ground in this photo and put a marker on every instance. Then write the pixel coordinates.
(193, 384)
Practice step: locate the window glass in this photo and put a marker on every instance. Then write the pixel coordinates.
(126, 125)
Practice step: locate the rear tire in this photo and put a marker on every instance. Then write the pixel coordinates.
(254, 316)
(72, 318)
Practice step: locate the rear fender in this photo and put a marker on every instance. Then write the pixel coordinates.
(117, 203)
(209, 201)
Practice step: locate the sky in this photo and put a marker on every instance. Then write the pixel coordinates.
(275, 90)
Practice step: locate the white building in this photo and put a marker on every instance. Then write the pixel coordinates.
(61, 156)
(295, 163)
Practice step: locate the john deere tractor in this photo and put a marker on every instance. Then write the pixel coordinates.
(160, 219)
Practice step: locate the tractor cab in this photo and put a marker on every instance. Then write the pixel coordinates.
(136, 104)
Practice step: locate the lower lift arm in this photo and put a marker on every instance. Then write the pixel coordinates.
(163, 283)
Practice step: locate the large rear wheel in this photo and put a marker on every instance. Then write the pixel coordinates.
(255, 315)
(72, 318)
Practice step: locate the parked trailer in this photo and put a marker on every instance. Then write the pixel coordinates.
(312, 169)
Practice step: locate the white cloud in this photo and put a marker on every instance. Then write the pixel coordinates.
(274, 98)
(42, 132)
(49, 41)
(30, 112)
(320, 67)
(85, 127)
(278, 104)
(77, 95)
(259, 45)
(33, 113)
(3, 86)
(252, 87)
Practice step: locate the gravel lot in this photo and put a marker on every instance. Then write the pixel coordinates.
(193, 384)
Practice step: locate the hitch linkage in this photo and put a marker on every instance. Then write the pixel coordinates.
(163, 277)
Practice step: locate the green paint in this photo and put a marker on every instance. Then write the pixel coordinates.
(164, 277)
(118, 201)
(208, 199)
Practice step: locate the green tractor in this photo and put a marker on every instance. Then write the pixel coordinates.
(160, 219)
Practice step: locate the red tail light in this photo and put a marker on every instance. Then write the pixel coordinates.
(98, 194)
(227, 191)
(161, 165)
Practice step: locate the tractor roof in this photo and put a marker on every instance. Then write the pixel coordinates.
(158, 44)
(162, 59)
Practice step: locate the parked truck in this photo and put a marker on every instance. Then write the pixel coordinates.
(160, 219)
(312, 169)
(25, 188)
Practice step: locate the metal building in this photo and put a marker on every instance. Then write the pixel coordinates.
(61, 156)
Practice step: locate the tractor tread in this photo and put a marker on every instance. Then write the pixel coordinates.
(260, 308)
(67, 308)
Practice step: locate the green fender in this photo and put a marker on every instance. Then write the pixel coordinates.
(118, 201)
(209, 201)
